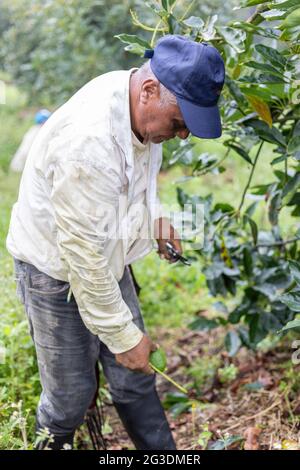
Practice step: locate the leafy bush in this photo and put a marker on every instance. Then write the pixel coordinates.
(243, 258)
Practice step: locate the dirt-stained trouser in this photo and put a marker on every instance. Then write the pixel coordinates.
(67, 352)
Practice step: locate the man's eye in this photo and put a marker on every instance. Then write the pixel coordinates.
(176, 126)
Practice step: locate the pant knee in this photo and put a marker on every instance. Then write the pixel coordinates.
(63, 412)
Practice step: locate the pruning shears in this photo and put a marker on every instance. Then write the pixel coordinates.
(176, 255)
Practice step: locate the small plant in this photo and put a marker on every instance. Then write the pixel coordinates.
(227, 374)
(204, 437)
(204, 372)
(158, 362)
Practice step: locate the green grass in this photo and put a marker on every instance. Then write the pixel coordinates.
(19, 380)
(18, 372)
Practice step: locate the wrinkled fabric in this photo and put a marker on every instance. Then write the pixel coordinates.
(74, 218)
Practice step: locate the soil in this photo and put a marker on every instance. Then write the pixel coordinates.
(264, 418)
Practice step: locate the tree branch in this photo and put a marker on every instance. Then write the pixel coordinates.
(279, 243)
(250, 176)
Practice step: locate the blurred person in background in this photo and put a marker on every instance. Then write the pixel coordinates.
(18, 161)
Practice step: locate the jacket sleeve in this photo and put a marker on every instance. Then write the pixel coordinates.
(85, 197)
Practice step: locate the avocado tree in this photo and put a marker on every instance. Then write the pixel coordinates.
(260, 107)
(50, 49)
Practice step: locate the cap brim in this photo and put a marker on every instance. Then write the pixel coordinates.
(204, 122)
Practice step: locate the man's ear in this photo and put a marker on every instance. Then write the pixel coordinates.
(149, 90)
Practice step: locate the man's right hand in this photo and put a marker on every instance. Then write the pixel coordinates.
(137, 358)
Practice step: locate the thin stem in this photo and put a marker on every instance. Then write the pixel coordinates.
(182, 389)
(285, 170)
(187, 10)
(279, 243)
(173, 6)
(154, 33)
(137, 22)
(256, 15)
(250, 177)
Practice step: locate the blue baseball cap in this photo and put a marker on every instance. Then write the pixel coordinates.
(194, 72)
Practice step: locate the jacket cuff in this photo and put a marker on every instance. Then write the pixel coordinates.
(123, 340)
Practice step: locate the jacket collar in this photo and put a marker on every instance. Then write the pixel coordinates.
(120, 116)
(121, 130)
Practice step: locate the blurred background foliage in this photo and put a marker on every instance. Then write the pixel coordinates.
(250, 250)
(51, 48)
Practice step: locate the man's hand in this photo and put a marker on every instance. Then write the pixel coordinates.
(137, 358)
(165, 232)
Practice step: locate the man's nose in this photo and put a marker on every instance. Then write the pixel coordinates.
(183, 134)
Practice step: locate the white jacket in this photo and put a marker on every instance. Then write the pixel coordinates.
(78, 184)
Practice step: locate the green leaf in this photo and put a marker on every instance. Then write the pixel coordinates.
(295, 270)
(260, 189)
(253, 227)
(132, 39)
(292, 300)
(295, 200)
(271, 92)
(264, 67)
(222, 444)
(290, 189)
(294, 145)
(234, 37)
(174, 26)
(135, 49)
(224, 207)
(273, 135)
(284, 4)
(277, 160)
(203, 323)
(254, 29)
(232, 343)
(291, 324)
(235, 316)
(251, 209)
(291, 26)
(247, 261)
(165, 4)
(179, 408)
(292, 20)
(251, 3)
(253, 386)
(271, 55)
(274, 207)
(235, 91)
(239, 150)
(209, 31)
(272, 15)
(194, 22)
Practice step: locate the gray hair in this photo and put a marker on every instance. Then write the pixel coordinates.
(166, 97)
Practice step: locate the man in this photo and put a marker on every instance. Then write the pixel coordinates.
(93, 163)
(18, 161)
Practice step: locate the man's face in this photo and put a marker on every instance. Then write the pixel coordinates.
(159, 122)
(164, 123)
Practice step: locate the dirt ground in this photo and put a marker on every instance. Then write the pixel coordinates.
(265, 417)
